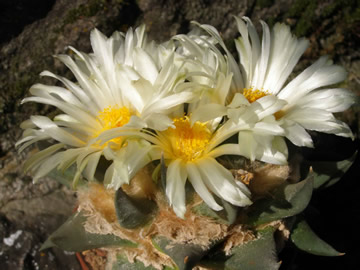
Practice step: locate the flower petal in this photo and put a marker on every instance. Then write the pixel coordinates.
(175, 187)
(92, 164)
(55, 132)
(145, 65)
(48, 165)
(207, 112)
(286, 50)
(247, 144)
(116, 175)
(35, 160)
(197, 182)
(297, 134)
(262, 64)
(222, 183)
(331, 100)
(319, 74)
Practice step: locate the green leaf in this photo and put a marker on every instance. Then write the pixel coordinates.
(258, 254)
(305, 239)
(123, 264)
(184, 255)
(71, 236)
(131, 212)
(327, 173)
(287, 200)
(255, 255)
(226, 216)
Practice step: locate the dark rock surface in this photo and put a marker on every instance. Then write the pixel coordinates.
(33, 31)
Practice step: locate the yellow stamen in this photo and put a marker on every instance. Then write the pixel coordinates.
(187, 142)
(253, 95)
(113, 117)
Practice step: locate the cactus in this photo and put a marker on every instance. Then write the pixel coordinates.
(180, 155)
(235, 237)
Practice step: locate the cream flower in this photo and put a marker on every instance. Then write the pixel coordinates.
(126, 83)
(258, 84)
(259, 133)
(266, 67)
(190, 149)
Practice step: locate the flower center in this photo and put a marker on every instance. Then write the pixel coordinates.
(253, 95)
(113, 117)
(188, 142)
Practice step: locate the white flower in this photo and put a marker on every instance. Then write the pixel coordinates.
(189, 149)
(126, 83)
(258, 85)
(259, 134)
(265, 67)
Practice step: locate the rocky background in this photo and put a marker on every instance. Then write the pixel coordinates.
(31, 32)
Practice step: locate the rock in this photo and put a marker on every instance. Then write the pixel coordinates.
(26, 223)
(23, 253)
